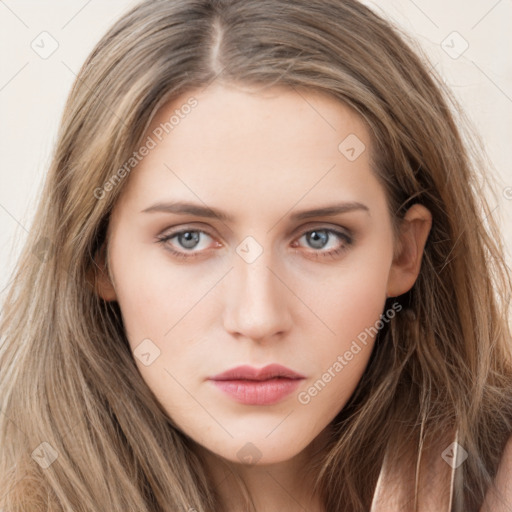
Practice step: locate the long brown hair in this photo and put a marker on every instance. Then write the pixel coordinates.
(79, 428)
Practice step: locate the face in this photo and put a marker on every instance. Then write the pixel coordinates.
(253, 233)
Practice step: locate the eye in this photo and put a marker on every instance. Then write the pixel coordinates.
(191, 243)
(326, 242)
(187, 241)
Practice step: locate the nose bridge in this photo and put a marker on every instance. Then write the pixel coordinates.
(256, 305)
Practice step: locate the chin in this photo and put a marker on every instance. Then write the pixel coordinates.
(257, 452)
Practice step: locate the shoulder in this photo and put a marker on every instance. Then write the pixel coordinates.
(499, 497)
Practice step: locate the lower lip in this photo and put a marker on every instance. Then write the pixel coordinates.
(251, 392)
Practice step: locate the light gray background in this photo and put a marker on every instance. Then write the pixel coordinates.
(33, 89)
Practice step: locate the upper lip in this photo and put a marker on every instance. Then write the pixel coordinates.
(246, 372)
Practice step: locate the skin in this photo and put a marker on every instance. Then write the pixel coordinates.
(260, 157)
(499, 496)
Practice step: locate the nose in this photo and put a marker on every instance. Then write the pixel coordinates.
(257, 301)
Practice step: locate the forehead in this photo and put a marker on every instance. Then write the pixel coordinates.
(225, 113)
(240, 145)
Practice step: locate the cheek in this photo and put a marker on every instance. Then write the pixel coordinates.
(350, 304)
(165, 309)
(154, 294)
(353, 296)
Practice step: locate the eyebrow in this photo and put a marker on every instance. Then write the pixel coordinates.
(184, 208)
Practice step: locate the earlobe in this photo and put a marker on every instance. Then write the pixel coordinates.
(102, 281)
(405, 268)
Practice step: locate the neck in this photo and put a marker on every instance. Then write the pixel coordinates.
(286, 485)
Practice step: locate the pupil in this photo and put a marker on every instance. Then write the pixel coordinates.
(190, 239)
(317, 236)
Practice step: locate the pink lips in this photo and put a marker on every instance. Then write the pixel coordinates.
(253, 386)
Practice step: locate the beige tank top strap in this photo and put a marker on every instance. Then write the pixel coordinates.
(396, 492)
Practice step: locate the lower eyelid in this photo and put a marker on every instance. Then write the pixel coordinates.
(338, 234)
(347, 240)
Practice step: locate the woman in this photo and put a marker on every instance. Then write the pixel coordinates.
(259, 278)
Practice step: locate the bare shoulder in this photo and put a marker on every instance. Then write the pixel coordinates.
(499, 498)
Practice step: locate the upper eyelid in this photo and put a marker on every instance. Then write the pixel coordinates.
(344, 234)
(338, 231)
(303, 229)
(320, 226)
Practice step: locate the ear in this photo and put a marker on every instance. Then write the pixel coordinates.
(414, 230)
(103, 284)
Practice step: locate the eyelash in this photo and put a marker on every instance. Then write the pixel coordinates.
(315, 254)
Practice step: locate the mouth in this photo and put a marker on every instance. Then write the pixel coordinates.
(253, 386)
